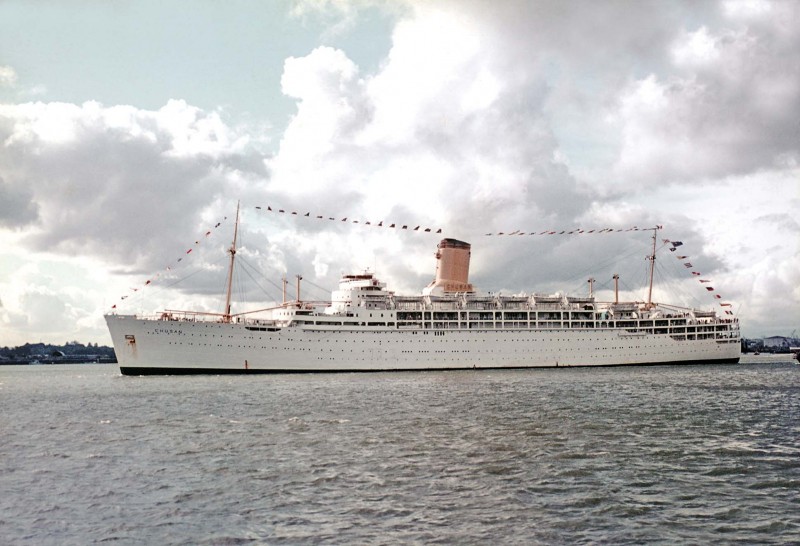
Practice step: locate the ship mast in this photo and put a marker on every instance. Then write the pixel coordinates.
(652, 259)
(226, 317)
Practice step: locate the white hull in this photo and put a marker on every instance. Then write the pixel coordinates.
(150, 346)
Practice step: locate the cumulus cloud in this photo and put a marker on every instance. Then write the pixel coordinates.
(454, 128)
(440, 130)
(113, 181)
(728, 106)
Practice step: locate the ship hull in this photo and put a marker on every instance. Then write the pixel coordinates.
(158, 347)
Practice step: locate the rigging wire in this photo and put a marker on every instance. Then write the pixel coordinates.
(249, 270)
(676, 276)
(601, 266)
(324, 290)
(159, 289)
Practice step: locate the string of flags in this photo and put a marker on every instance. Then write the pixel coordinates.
(419, 228)
(575, 231)
(328, 218)
(400, 226)
(688, 265)
(210, 231)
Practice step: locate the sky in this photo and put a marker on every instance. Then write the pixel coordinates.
(129, 131)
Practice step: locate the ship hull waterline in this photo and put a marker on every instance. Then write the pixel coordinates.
(239, 371)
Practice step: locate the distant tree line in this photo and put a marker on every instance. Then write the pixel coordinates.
(71, 350)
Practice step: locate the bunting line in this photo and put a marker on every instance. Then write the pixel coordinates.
(210, 231)
(574, 231)
(688, 265)
(329, 218)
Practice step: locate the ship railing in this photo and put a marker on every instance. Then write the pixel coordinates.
(308, 305)
(437, 303)
(190, 316)
(447, 305)
(580, 299)
(513, 302)
(480, 302)
(551, 299)
(627, 307)
(409, 303)
(538, 306)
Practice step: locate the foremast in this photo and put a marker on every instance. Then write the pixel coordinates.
(226, 316)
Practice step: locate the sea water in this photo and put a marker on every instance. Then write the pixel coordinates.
(689, 454)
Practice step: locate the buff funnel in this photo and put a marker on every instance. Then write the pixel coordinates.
(452, 268)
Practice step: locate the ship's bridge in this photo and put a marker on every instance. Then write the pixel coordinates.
(360, 290)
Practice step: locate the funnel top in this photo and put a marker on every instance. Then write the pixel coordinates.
(453, 243)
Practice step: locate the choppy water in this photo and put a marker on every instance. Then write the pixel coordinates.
(624, 455)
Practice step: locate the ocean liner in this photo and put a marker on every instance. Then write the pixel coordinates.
(449, 326)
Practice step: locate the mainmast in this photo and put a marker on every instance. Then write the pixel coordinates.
(226, 316)
(652, 259)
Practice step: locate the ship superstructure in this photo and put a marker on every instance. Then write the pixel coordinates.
(366, 327)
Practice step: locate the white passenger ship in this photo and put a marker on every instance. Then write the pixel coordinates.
(366, 328)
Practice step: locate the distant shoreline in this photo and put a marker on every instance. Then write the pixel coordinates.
(70, 360)
(46, 353)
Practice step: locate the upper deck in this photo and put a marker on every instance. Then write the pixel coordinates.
(362, 303)
(469, 312)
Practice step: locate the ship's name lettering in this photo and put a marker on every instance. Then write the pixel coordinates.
(167, 331)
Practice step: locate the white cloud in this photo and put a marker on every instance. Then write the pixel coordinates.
(696, 48)
(330, 108)
(747, 9)
(727, 108)
(83, 168)
(436, 136)
(8, 76)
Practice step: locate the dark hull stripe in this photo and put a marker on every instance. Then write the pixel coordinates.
(129, 370)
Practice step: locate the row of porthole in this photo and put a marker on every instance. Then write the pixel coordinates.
(417, 352)
(499, 340)
(582, 342)
(631, 347)
(571, 349)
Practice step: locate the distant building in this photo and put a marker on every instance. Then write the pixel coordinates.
(776, 343)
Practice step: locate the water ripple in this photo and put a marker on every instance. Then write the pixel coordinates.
(639, 455)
